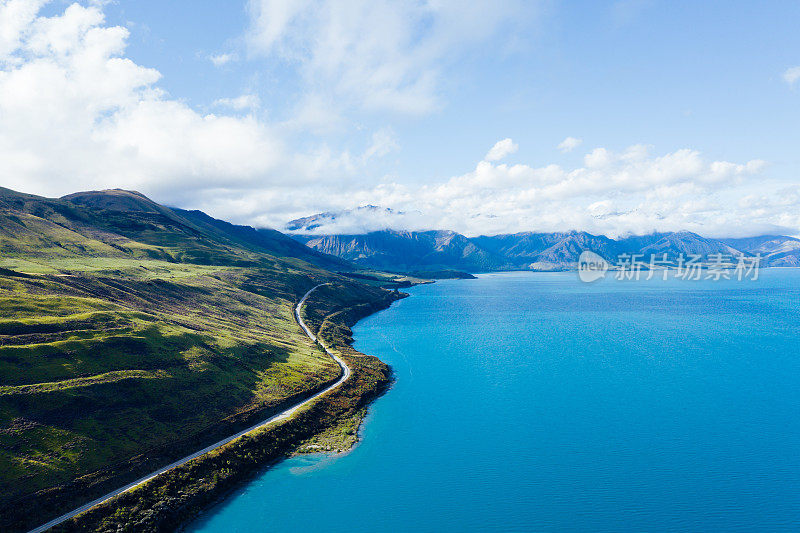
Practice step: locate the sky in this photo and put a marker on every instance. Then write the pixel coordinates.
(483, 117)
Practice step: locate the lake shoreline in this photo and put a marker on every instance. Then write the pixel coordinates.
(176, 498)
(532, 401)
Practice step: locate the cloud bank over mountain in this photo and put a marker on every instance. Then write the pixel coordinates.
(612, 193)
(78, 113)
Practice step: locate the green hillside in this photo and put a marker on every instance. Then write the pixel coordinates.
(132, 334)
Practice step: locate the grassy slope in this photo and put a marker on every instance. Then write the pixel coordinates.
(136, 334)
(173, 499)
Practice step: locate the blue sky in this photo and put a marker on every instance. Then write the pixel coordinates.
(687, 112)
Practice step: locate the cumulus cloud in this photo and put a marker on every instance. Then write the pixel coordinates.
(597, 158)
(222, 59)
(613, 193)
(374, 54)
(569, 144)
(501, 150)
(15, 16)
(791, 75)
(77, 114)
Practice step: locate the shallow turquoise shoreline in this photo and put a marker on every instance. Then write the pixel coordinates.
(532, 401)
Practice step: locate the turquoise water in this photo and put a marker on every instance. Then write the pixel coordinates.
(530, 401)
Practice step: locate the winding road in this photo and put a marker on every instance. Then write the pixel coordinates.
(276, 418)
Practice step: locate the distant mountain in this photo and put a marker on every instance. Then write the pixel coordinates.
(406, 250)
(127, 224)
(776, 249)
(426, 250)
(192, 235)
(264, 239)
(684, 243)
(545, 251)
(117, 200)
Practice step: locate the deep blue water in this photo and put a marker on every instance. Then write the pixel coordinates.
(530, 401)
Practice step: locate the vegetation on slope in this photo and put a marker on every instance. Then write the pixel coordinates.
(132, 334)
(175, 497)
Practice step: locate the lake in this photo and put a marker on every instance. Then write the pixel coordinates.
(532, 401)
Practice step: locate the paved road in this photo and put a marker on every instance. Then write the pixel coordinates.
(280, 416)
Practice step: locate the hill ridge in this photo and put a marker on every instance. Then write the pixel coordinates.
(416, 250)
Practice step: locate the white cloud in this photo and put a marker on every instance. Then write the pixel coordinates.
(614, 193)
(220, 60)
(501, 149)
(15, 17)
(363, 219)
(373, 55)
(245, 101)
(791, 75)
(569, 144)
(597, 158)
(77, 114)
(601, 208)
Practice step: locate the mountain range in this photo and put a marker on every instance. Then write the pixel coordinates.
(401, 250)
(127, 224)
